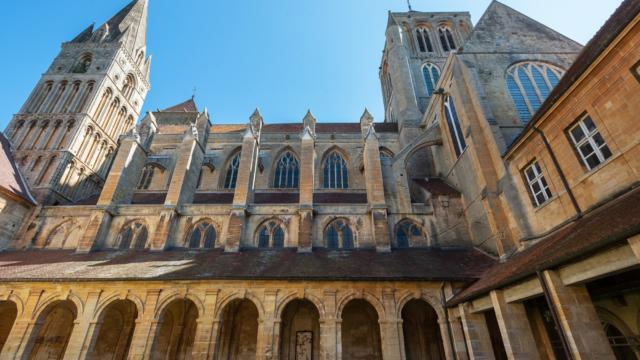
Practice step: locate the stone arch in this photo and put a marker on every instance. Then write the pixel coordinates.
(370, 298)
(238, 332)
(133, 234)
(8, 314)
(282, 303)
(345, 157)
(403, 299)
(75, 299)
(408, 229)
(360, 330)
(177, 295)
(421, 330)
(16, 299)
(115, 325)
(299, 330)
(240, 295)
(51, 334)
(115, 297)
(274, 165)
(177, 328)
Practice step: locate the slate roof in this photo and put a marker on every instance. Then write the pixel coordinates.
(622, 17)
(11, 181)
(611, 223)
(284, 264)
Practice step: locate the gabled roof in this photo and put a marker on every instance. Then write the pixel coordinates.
(503, 29)
(11, 181)
(186, 106)
(621, 18)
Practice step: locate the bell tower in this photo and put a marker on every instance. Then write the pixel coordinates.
(65, 135)
(416, 49)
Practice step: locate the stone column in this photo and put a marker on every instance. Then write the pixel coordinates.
(307, 186)
(145, 330)
(580, 323)
(515, 329)
(268, 331)
(18, 340)
(375, 185)
(244, 183)
(391, 329)
(206, 332)
(329, 326)
(83, 330)
(476, 334)
(457, 333)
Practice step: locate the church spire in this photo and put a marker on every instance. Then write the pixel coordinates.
(129, 25)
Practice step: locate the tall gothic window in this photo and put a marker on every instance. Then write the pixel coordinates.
(529, 84)
(203, 235)
(232, 172)
(446, 38)
(336, 172)
(133, 236)
(405, 232)
(424, 41)
(431, 75)
(453, 123)
(287, 172)
(271, 235)
(338, 235)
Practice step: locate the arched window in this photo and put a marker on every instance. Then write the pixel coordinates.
(446, 38)
(232, 172)
(454, 126)
(405, 232)
(202, 235)
(338, 235)
(133, 236)
(287, 172)
(83, 64)
(529, 84)
(424, 41)
(271, 235)
(336, 172)
(129, 86)
(147, 176)
(431, 75)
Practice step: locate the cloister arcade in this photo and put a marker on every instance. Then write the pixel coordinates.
(221, 324)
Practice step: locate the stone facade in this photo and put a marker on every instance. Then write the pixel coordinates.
(464, 226)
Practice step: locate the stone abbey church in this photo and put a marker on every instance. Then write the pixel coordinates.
(494, 213)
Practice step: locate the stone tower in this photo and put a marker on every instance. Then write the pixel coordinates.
(66, 133)
(416, 49)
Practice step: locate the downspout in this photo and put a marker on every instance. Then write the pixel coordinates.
(554, 314)
(563, 178)
(446, 318)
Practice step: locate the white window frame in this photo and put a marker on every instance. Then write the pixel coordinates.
(538, 178)
(589, 137)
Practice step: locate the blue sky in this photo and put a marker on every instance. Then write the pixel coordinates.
(284, 56)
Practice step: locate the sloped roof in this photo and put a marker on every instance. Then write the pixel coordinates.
(282, 264)
(186, 106)
(437, 187)
(503, 29)
(616, 221)
(11, 181)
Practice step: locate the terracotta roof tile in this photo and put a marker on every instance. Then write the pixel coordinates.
(618, 220)
(11, 181)
(187, 106)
